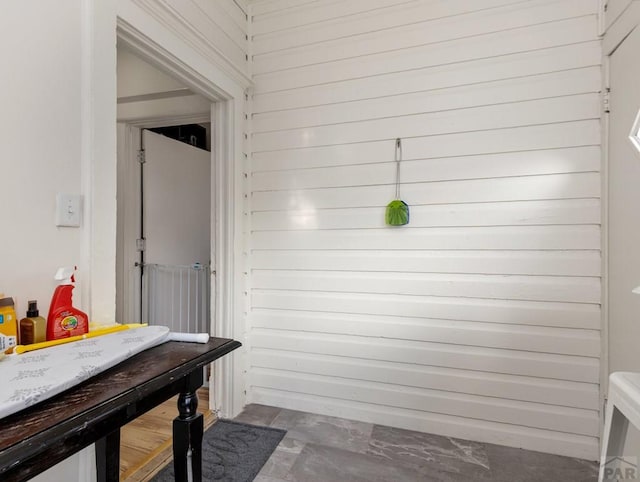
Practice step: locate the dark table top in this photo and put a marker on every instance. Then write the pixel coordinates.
(103, 403)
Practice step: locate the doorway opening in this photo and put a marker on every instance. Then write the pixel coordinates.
(174, 232)
(165, 256)
(223, 88)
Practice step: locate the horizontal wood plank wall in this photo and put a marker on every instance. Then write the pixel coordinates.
(481, 318)
(221, 25)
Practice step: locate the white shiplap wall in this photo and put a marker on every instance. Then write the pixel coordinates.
(216, 29)
(481, 318)
(223, 25)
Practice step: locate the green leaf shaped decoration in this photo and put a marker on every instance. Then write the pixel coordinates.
(397, 213)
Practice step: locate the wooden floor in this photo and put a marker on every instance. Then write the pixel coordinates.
(145, 443)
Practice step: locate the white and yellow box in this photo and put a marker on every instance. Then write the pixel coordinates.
(8, 325)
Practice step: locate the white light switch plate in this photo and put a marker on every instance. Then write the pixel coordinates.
(68, 209)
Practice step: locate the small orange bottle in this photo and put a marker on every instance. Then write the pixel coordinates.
(33, 328)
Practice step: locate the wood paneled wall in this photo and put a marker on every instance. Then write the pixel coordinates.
(220, 26)
(481, 318)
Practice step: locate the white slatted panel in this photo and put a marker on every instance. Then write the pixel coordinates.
(540, 288)
(523, 262)
(556, 392)
(481, 318)
(491, 335)
(570, 82)
(221, 25)
(580, 211)
(492, 68)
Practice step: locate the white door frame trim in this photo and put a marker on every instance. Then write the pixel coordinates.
(604, 240)
(228, 396)
(613, 36)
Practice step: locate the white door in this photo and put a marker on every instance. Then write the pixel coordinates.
(624, 208)
(176, 221)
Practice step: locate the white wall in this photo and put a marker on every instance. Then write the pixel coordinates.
(49, 123)
(615, 11)
(59, 135)
(209, 31)
(145, 93)
(622, 16)
(137, 78)
(42, 147)
(48, 147)
(481, 318)
(40, 150)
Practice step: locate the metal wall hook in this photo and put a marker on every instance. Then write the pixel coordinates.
(398, 158)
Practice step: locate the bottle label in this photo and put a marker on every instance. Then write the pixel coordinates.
(7, 342)
(69, 323)
(27, 333)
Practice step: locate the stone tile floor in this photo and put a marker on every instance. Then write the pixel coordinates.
(320, 448)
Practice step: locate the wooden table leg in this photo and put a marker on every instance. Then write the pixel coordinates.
(108, 457)
(188, 428)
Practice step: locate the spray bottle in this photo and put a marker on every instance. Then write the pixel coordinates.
(64, 319)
